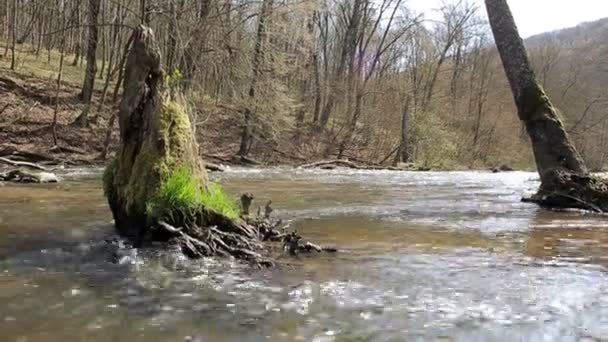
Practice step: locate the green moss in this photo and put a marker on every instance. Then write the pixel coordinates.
(166, 179)
(182, 191)
(531, 101)
(108, 177)
(216, 199)
(166, 150)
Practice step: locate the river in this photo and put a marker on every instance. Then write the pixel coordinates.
(451, 256)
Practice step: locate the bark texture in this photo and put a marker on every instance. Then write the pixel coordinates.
(156, 139)
(258, 60)
(91, 70)
(550, 142)
(565, 182)
(157, 143)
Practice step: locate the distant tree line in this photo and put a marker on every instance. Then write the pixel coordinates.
(328, 78)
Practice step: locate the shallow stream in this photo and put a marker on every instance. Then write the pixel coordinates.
(451, 256)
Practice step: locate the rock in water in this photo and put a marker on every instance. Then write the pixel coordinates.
(47, 177)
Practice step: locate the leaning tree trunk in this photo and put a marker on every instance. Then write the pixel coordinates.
(564, 176)
(157, 143)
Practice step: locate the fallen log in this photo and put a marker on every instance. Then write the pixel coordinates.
(333, 164)
(23, 164)
(336, 162)
(30, 156)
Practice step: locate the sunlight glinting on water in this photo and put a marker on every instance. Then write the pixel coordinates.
(423, 256)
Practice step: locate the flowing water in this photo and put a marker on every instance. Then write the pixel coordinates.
(423, 256)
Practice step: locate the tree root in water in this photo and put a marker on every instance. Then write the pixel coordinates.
(563, 189)
(254, 240)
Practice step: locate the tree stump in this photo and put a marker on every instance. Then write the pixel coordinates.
(157, 183)
(155, 139)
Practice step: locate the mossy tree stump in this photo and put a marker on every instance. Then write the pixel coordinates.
(155, 139)
(157, 185)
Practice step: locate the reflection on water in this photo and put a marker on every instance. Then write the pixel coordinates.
(448, 256)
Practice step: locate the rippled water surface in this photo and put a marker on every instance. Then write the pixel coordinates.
(424, 256)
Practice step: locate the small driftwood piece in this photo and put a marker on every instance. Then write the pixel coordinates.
(214, 167)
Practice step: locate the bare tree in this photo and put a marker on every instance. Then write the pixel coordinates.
(91, 70)
(258, 56)
(14, 35)
(59, 75)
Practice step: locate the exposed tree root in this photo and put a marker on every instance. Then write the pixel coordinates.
(256, 240)
(563, 189)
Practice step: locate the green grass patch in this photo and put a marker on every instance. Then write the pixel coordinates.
(216, 199)
(182, 191)
(29, 64)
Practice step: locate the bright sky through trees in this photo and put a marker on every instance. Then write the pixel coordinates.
(534, 16)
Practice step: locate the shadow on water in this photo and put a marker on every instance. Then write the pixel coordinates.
(452, 256)
(569, 236)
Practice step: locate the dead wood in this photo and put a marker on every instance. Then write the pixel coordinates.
(214, 167)
(22, 163)
(336, 162)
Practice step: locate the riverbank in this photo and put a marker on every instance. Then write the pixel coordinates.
(27, 108)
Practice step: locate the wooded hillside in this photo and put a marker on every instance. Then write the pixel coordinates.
(288, 81)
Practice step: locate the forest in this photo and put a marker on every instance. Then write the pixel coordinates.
(288, 82)
(315, 170)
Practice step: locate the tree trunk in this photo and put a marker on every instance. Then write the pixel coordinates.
(155, 139)
(258, 54)
(349, 46)
(550, 142)
(59, 75)
(14, 35)
(564, 176)
(30, 25)
(403, 154)
(76, 22)
(91, 69)
(113, 47)
(158, 144)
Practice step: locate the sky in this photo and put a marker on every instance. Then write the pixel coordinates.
(533, 16)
